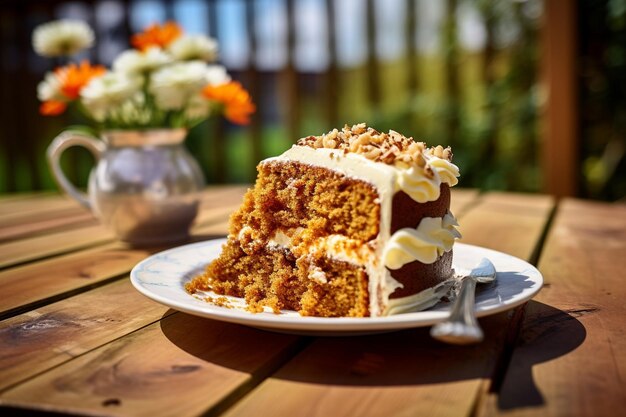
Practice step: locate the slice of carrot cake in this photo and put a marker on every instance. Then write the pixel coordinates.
(351, 223)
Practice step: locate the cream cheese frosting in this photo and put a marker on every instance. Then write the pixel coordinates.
(423, 185)
(419, 170)
(420, 301)
(432, 237)
(446, 170)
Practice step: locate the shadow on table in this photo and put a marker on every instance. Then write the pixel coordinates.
(547, 333)
(405, 358)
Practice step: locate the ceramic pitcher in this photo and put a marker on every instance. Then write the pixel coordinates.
(145, 185)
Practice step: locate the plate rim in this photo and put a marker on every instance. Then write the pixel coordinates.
(278, 322)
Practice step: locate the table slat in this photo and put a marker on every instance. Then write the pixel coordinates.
(407, 373)
(30, 249)
(510, 223)
(571, 357)
(26, 204)
(40, 339)
(48, 278)
(462, 199)
(48, 225)
(219, 202)
(53, 213)
(181, 366)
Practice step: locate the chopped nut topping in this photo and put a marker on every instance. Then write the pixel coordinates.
(387, 148)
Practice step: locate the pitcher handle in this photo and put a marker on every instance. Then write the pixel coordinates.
(56, 148)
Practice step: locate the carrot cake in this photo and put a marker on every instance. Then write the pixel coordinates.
(352, 223)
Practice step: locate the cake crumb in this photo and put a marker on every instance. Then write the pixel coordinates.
(220, 301)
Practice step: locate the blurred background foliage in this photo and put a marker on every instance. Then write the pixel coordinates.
(464, 73)
(602, 67)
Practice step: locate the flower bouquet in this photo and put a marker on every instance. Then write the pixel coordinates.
(166, 81)
(145, 185)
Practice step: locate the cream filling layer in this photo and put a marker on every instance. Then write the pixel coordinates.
(426, 243)
(339, 248)
(420, 301)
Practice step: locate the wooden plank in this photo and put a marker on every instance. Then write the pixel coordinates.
(37, 225)
(44, 338)
(13, 197)
(35, 203)
(223, 196)
(462, 199)
(252, 76)
(291, 78)
(23, 208)
(48, 279)
(329, 99)
(571, 356)
(46, 218)
(374, 91)
(39, 210)
(13, 253)
(16, 252)
(412, 50)
(28, 284)
(181, 366)
(559, 71)
(508, 222)
(406, 373)
(452, 88)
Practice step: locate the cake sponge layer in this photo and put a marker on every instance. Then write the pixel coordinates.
(313, 286)
(314, 202)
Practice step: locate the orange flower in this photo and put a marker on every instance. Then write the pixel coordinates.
(238, 105)
(156, 35)
(74, 77)
(52, 107)
(67, 82)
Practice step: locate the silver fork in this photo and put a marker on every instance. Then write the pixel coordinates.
(462, 328)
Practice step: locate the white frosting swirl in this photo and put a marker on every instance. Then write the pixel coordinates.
(446, 170)
(417, 185)
(433, 237)
(422, 188)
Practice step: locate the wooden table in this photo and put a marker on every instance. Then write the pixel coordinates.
(75, 337)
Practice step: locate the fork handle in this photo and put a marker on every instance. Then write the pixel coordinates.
(461, 327)
(463, 311)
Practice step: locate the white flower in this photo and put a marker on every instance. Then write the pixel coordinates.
(62, 37)
(193, 47)
(174, 85)
(50, 88)
(106, 93)
(216, 75)
(198, 107)
(133, 111)
(138, 62)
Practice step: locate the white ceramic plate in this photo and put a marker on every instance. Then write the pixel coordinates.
(162, 276)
